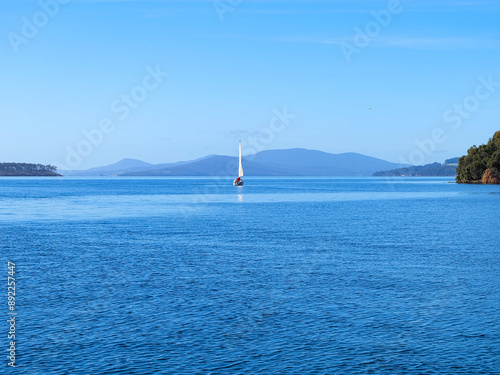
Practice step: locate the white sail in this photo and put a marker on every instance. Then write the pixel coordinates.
(240, 172)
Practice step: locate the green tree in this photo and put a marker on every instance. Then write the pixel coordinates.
(472, 166)
(494, 162)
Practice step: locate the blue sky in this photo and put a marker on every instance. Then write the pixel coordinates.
(423, 71)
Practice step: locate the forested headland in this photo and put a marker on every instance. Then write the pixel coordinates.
(481, 164)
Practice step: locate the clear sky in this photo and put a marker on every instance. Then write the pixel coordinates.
(374, 77)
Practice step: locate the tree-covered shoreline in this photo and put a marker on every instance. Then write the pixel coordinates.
(27, 170)
(448, 169)
(481, 165)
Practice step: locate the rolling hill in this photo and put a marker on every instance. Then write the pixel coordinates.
(290, 162)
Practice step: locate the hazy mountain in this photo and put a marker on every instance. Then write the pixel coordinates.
(123, 166)
(292, 162)
(303, 162)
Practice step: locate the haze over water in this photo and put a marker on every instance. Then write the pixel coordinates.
(281, 276)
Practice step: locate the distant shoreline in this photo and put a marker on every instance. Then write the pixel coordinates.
(27, 170)
(32, 175)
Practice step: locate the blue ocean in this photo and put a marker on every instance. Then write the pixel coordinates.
(280, 276)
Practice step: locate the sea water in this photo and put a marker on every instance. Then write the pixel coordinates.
(281, 276)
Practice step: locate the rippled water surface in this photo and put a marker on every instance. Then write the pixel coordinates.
(282, 276)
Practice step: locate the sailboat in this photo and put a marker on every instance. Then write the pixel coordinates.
(239, 181)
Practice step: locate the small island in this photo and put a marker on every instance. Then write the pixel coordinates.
(481, 165)
(27, 170)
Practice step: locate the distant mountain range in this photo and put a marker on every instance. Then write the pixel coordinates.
(291, 162)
